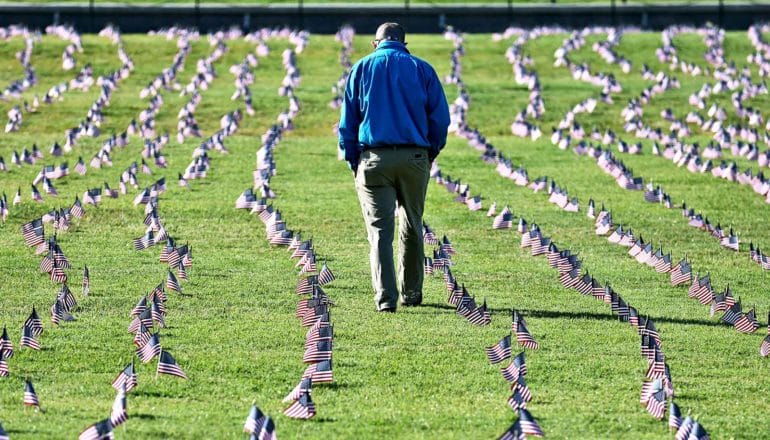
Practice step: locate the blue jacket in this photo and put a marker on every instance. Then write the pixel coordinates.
(392, 98)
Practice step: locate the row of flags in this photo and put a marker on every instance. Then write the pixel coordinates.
(643, 253)
(179, 258)
(657, 387)
(314, 309)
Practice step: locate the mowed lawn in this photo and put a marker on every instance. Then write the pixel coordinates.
(422, 372)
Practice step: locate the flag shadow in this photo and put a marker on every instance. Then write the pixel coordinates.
(585, 315)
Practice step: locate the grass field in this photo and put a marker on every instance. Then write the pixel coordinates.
(422, 372)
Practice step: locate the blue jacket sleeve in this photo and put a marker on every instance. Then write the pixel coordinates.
(350, 119)
(438, 113)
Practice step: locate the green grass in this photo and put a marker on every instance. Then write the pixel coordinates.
(420, 373)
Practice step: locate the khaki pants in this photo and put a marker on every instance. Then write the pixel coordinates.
(386, 175)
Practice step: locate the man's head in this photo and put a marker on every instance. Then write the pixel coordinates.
(389, 32)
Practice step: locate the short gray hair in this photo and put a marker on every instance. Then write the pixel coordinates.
(390, 31)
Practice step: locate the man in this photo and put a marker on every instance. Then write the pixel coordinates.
(393, 123)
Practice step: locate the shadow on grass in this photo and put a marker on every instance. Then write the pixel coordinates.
(583, 315)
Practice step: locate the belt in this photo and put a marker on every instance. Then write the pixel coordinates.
(392, 147)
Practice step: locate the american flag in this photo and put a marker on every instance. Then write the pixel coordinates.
(520, 386)
(318, 333)
(77, 210)
(656, 404)
(30, 397)
(698, 432)
(145, 241)
(172, 283)
(66, 298)
(157, 315)
(305, 385)
(517, 400)
(36, 194)
(528, 424)
(500, 351)
(140, 307)
(80, 167)
(167, 365)
(268, 430)
(302, 408)
(656, 366)
(320, 351)
(674, 416)
(142, 336)
(6, 346)
(733, 313)
(517, 367)
(681, 273)
(150, 349)
(320, 372)
(254, 421)
(492, 210)
(325, 276)
(306, 285)
(98, 431)
(513, 433)
(3, 365)
(119, 413)
(685, 428)
(480, 315)
(33, 233)
(86, 281)
(747, 323)
(126, 378)
(764, 347)
(428, 266)
(3, 434)
(92, 196)
(34, 323)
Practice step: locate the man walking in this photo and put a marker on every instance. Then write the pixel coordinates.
(393, 123)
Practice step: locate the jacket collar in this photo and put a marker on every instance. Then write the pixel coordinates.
(395, 45)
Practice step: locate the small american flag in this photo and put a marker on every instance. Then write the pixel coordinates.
(98, 431)
(528, 424)
(3, 365)
(254, 421)
(36, 194)
(77, 210)
(733, 313)
(500, 351)
(172, 283)
(656, 405)
(305, 385)
(30, 397)
(302, 408)
(325, 276)
(80, 167)
(683, 433)
(513, 433)
(320, 351)
(698, 432)
(6, 346)
(681, 273)
(34, 323)
(764, 347)
(119, 413)
(674, 416)
(150, 350)
(320, 372)
(3, 434)
(126, 378)
(86, 281)
(517, 367)
(33, 233)
(167, 365)
(747, 323)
